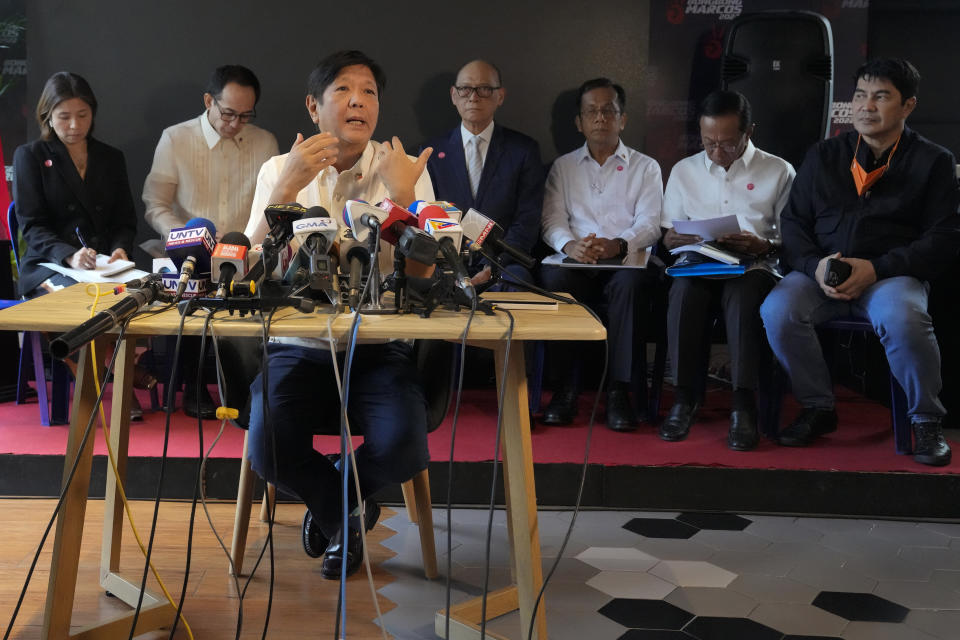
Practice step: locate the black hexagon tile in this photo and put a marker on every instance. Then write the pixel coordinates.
(653, 634)
(660, 528)
(865, 607)
(719, 521)
(729, 629)
(646, 614)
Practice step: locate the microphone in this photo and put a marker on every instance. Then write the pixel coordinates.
(280, 218)
(229, 259)
(140, 283)
(449, 235)
(420, 250)
(484, 234)
(66, 343)
(190, 249)
(448, 207)
(317, 232)
(317, 236)
(354, 260)
(363, 217)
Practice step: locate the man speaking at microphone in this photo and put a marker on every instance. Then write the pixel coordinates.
(386, 402)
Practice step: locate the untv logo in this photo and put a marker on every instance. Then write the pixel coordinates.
(440, 224)
(180, 235)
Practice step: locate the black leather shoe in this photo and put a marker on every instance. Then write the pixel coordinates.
(314, 542)
(676, 426)
(334, 556)
(620, 413)
(562, 408)
(744, 434)
(208, 410)
(809, 424)
(929, 446)
(136, 411)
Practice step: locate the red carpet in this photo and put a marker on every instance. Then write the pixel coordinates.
(864, 441)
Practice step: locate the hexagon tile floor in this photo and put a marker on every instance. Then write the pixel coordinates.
(695, 576)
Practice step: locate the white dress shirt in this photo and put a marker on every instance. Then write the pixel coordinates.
(331, 189)
(755, 188)
(486, 135)
(620, 199)
(198, 174)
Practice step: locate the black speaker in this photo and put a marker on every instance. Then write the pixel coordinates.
(782, 61)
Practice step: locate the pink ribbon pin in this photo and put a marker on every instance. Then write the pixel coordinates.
(750, 186)
(441, 155)
(48, 162)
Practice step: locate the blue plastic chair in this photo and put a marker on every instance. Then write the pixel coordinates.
(31, 356)
(902, 431)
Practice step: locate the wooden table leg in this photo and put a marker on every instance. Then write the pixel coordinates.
(69, 531)
(241, 520)
(521, 496)
(521, 492)
(119, 441)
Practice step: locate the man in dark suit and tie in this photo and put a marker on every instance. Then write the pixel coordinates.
(487, 167)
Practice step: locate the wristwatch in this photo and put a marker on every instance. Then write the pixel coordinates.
(623, 248)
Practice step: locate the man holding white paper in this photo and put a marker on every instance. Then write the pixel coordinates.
(729, 177)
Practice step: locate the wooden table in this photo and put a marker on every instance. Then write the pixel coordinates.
(68, 308)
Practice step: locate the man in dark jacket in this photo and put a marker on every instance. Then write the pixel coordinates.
(881, 202)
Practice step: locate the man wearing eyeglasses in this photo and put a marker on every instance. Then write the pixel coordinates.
(488, 167)
(207, 166)
(729, 177)
(601, 203)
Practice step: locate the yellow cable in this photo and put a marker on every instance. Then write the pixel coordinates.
(93, 290)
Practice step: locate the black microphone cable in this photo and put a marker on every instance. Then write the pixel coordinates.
(63, 492)
(223, 389)
(171, 395)
(501, 392)
(348, 460)
(450, 466)
(586, 452)
(199, 478)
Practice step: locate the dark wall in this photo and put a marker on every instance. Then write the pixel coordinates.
(925, 33)
(148, 62)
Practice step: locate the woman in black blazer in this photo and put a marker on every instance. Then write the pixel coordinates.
(70, 189)
(68, 180)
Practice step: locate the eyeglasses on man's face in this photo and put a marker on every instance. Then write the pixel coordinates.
(483, 91)
(607, 113)
(229, 115)
(727, 147)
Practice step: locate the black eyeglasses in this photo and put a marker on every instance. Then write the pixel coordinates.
(229, 116)
(483, 91)
(608, 113)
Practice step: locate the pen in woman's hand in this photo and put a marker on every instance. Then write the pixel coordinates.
(85, 258)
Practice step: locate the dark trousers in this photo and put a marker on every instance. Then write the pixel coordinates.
(614, 294)
(386, 405)
(690, 315)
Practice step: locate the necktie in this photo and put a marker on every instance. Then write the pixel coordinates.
(474, 163)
